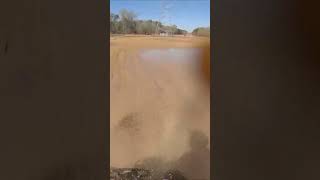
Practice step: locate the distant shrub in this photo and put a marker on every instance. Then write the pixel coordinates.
(201, 31)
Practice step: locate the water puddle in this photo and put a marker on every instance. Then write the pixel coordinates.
(174, 55)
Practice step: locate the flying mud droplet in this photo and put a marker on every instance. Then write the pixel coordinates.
(130, 124)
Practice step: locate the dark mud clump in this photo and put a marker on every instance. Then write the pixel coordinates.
(130, 124)
(196, 162)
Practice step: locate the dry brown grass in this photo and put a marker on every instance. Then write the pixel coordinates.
(138, 41)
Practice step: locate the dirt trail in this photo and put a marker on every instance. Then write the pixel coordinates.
(153, 105)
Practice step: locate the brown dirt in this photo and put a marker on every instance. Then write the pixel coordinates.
(159, 103)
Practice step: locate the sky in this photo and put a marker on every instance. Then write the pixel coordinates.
(186, 14)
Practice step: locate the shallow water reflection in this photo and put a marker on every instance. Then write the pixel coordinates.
(180, 55)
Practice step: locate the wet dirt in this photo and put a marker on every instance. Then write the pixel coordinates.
(158, 81)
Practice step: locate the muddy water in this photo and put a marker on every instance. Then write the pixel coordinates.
(157, 98)
(172, 55)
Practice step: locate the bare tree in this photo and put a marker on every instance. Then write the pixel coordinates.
(128, 20)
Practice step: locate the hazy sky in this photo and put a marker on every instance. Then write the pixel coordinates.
(186, 14)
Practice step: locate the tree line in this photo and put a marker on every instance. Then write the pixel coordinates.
(126, 22)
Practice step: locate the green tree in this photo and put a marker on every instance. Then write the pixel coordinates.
(114, 23)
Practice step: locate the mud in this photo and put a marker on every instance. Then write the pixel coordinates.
(158, 96)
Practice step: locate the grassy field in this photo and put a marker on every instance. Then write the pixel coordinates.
(153, 105)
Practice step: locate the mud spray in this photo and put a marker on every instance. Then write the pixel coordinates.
(160, 109)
